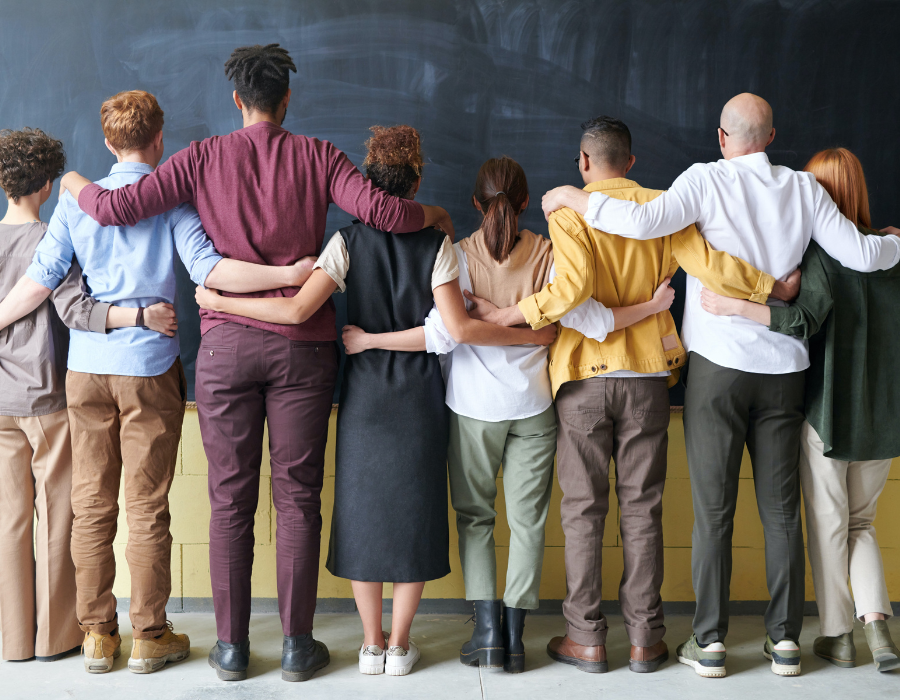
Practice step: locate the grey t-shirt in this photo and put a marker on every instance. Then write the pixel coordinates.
(33, 350)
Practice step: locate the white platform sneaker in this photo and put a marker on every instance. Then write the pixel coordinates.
(400, 661)
(371, 660)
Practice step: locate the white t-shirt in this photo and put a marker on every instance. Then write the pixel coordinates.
(763, 213)
(504, 382)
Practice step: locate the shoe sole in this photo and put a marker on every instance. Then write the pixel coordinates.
(300, 676)
(648, 666)
(228, 675)
(701, 670)
(104, 665)
(154, 665)
(514, 663)
(887, 663)
(488, 657)
(782, 669)
(840, 663)
(581, 665)
(371, 670)
(400, 670)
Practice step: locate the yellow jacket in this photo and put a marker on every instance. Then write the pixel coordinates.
(620, 271)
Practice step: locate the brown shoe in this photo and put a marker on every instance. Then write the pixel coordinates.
(648, 659)
(150, 655)
(589, 659)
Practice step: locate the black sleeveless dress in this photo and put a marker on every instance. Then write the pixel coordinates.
(390, 494)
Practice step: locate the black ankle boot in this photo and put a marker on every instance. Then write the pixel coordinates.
(513, 646)
(230, 660)
(485, 648)
(301, 657)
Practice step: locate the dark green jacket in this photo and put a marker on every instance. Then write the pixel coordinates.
(852, 322)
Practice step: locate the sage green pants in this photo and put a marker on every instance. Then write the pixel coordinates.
(526, 448)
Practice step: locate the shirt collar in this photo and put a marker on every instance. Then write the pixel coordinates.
(141, 168)
(615, 183)
(753, 159)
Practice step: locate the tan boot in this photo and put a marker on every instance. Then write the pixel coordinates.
(99, 651)
(149, 655)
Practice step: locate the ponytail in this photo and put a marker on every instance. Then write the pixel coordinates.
(501, 189)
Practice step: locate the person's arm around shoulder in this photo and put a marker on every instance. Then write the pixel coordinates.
(840, 238)
(165, 188)
(671, 211)
(356, 195)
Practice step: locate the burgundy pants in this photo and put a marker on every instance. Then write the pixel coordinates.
(245, 377)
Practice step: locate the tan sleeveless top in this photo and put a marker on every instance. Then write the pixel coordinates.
(523, 273)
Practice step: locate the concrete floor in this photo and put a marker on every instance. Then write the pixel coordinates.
(440, 675)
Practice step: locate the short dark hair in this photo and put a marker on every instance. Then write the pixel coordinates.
(28, 160)
(607, 140)
(260, 75)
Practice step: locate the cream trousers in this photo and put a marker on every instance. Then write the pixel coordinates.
(840, 502)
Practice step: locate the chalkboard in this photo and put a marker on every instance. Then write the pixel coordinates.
(478, 78)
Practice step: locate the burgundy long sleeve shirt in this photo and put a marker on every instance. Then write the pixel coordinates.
(262, 194)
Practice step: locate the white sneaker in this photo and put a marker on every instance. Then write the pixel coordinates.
(371, 660)
(400, 661)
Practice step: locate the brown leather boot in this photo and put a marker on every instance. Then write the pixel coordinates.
(648, 659)
(589, 659)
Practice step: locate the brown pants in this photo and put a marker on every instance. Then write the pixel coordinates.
(625, 419)
(128, 425)
(37, 578)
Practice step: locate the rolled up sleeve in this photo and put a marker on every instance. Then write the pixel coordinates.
(196, 251)
(438, 340)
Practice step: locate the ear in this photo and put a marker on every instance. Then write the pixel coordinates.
(584, 162)
(110, 147)
(525, 204)
(287, 99)
(771, 136)
(47, 186)
(416, 186)
(477, 204)
(237, 101)
(721, 137)
(631, 161)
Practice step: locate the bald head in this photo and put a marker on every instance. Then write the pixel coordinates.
(747, 119)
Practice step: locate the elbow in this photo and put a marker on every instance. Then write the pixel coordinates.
(460, 332)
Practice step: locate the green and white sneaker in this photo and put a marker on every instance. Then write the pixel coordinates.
(708, 661)
(785, 656)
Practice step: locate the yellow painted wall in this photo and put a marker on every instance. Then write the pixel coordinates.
(190, 530)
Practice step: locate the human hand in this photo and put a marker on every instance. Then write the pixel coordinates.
(545, 335)
(355, 339)
(718, 305)
(207, 298)
(789, 289)
(663, 296)
(161, 318)
(891, 230)
(301, 270)
(446, 225)
(483, 310)
(559, 197)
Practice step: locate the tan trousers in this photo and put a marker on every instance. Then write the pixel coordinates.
(625, 419)
(840, 502)
(37, 578)
(131, 426)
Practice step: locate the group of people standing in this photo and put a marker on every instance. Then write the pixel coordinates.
(455, 361)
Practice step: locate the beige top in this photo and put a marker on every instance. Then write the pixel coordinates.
(335, 261)
(523, 273)
(33, 350)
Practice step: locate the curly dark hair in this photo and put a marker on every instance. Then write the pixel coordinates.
(394, 158)
(28, 159)
(260, 75)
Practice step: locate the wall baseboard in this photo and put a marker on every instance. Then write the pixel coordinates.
(458, 606)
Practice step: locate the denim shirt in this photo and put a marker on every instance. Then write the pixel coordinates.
(129, 266)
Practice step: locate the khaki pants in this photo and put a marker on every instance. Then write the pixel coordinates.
(131, 426)
(526, 448)
(37, 578)
(626, 419)
(840, 500)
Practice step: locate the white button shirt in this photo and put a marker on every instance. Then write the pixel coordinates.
(763, 213)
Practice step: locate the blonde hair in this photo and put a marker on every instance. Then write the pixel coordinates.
(841, 174)
(131, 120)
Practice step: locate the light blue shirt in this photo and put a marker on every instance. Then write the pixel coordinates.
(128, 266)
